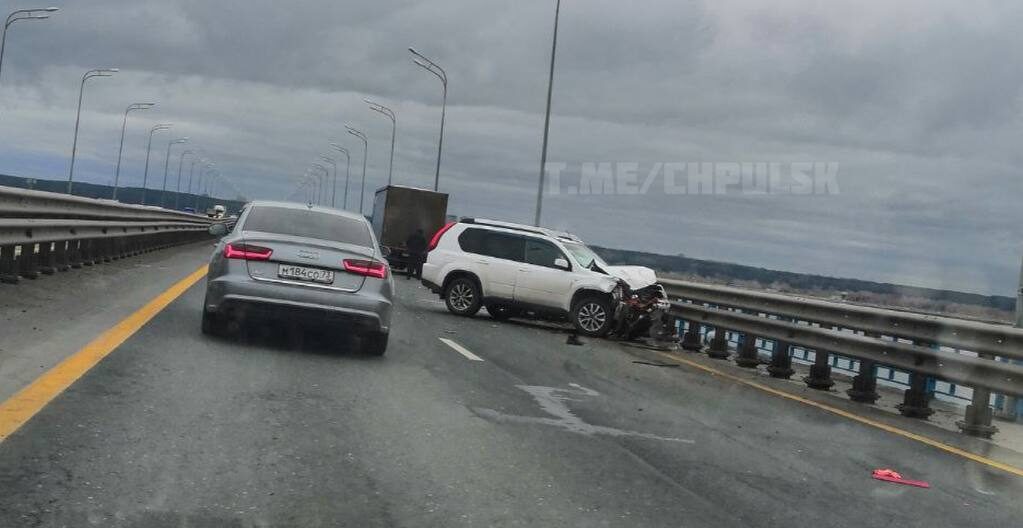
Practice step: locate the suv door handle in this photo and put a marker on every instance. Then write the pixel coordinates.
(485, 263)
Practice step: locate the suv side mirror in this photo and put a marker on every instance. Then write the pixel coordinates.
(218, 230)
(561, 263)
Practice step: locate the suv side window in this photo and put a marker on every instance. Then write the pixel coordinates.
(504, 246)
(542, 253)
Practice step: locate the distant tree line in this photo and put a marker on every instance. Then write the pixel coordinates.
(131, 195)
(856, 290)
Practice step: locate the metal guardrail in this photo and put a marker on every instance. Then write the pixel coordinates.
(43, 232)
(823, 327)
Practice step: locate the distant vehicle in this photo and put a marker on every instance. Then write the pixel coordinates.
(398, 212)
(189, 209)
(515, 270)
(218, 211)
(303, 263)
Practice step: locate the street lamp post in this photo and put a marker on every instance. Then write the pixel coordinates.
(394, 132)
(333, 185)
(177, 188)
(323, 181)
(206, 167)
(120, 150)
(149, 148)
(547, 118)
(22, 14)
(166, 167)
(104, 72)
(348, 169)
(433, 68)
(365, 153)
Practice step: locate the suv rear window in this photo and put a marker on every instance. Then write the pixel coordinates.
(309, 224)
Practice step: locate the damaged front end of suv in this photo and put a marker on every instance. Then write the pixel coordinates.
(642, 307)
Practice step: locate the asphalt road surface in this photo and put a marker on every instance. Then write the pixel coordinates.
(465, 422)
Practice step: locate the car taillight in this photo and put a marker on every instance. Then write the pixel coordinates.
(436, 236)
(247, 252)
(368, 268)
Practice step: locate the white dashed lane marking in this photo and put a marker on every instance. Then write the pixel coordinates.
(460, 349)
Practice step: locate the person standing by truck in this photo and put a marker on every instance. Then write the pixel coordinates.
(416, 245)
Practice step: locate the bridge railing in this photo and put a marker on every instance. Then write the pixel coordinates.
(925, 346)
(43, 232)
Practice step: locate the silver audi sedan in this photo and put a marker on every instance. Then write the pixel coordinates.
(300, 262)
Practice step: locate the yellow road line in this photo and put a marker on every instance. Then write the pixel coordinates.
(21, 407)
(855, 417)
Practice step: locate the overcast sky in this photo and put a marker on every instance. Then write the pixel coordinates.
(918, 102)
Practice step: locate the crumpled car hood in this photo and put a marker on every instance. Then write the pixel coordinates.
(635, 276)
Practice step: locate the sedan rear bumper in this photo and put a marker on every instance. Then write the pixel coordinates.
(244, 297)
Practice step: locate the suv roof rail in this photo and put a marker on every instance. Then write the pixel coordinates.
(503, 225)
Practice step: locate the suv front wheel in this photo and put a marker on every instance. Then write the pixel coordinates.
(592, 315)
(462, 297)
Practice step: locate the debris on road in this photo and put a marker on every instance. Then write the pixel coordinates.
(889, 475)
(656, 364)
(573, 339)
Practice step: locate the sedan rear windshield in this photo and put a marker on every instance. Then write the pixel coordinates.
(309, 224)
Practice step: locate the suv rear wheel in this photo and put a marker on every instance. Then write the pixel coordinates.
(592, 315)
(462, 297)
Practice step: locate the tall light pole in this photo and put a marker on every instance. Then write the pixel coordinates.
(207, 169)
(394, 132)
(323, 181)
(149, 148)
(333, 185)
(433, 68)
(177, 188)
(166, 167)
(348, 169)
(22, 14)
(120, 150)
(547, 118)
(365, 153)
(104, 72)
(191, 171)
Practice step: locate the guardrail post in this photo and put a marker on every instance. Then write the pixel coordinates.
(74, 251)
(916, 400)
(28, 264)
(748, 356)
(8, 265)
(718, 348)
(87, 252)
(60, 255)
(691, 339)
(864, 384)
(977, 421)
(820, 371)
(103, 250)
(781, 361)
(47, 259)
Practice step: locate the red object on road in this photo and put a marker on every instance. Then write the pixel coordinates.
(888, 475)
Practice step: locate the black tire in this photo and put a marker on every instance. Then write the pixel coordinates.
(462, 297)
(499, 311)
(374, 344)
(213, 324)
(592, 315)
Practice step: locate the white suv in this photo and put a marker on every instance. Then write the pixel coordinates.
(513, 269)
